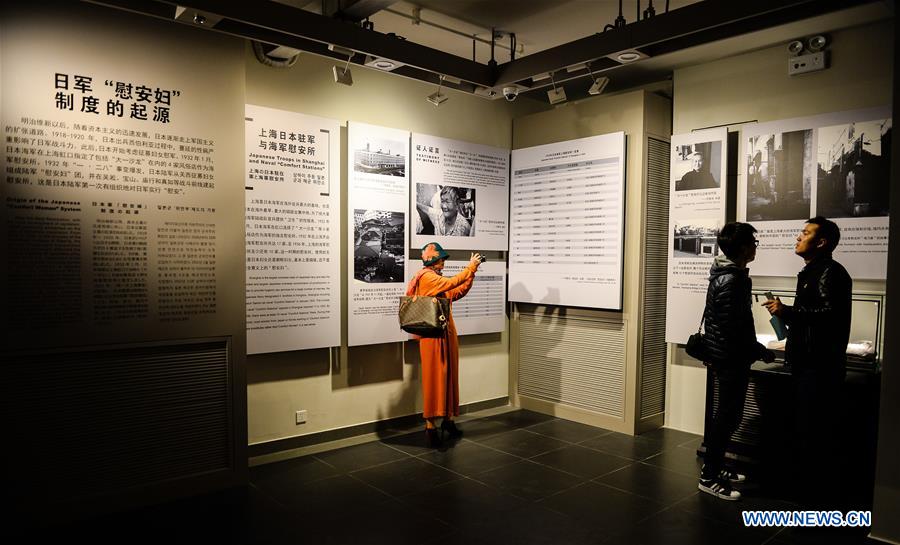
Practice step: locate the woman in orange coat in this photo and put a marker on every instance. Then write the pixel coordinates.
(440, 356)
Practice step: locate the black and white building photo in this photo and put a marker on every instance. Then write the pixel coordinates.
(779, 170)
(695, 238)
(853, 169)
(381, 156)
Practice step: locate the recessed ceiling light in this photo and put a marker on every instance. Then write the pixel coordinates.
(381, 63)
(627, 56)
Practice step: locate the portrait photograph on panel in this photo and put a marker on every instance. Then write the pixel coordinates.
(381, 156)
(780, 172)
(697, 166)
(445, 210)
(378, 254)
(695, 238)
(854, 163)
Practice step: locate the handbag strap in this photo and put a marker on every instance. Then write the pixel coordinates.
(419, 276)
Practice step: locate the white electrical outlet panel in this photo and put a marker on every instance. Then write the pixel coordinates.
(300, 417)
(801, 64)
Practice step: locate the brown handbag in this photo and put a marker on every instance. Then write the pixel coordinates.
(425, 316)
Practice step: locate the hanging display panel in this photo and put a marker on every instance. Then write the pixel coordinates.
(835, 165)
(696, 213)
(378, 231)
(292, 185)
(459, 195)
(567, 223)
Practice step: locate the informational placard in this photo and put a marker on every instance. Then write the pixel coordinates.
(567, 223)
(835, 165)
(121, 186)
(378, 231)
(483, 309)
(696, 213)
(460, 194)
(292, 223)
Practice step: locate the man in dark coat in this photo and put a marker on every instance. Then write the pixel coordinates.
(731, 346)
(818, 331)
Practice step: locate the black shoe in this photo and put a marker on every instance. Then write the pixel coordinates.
(432, 438)
(450, 427)
(719, 489)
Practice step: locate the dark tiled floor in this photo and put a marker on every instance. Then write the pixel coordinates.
(519, 477)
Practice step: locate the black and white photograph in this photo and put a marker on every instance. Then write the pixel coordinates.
(697, 166)
(381, 156)
(445, 210)
(696, 238)
(378, 254)
(854, 163)
(780, 173)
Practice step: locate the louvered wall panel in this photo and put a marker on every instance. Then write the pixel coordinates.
(748, 431)
(656, 242)
(573, 361)
(101, 421)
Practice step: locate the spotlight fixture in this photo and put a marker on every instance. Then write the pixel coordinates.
(795, 47)
(817, 43)
(556, 95)
(437, 98)
(598, 86)
(342, 76)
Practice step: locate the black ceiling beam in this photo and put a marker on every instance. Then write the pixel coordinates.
(355, 10)
(695, 24)
(280, 24)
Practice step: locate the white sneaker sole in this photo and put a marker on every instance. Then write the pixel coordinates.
(712, 492)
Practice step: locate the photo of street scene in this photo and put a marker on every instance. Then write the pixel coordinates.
(780, 170)
(854, 162)
(378, 255)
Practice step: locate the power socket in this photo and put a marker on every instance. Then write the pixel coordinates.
(300, 417)
(802, 64)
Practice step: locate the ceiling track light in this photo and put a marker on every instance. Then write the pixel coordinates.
(344, 77)
(437, 98)
(555, 96)
(597, 84)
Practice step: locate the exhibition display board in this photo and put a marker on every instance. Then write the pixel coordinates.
(483, 309)
(696, 213)
(459, 194)
(292, 183)
(377, 231)
(567, 223)
(121, 184)
(836, 165)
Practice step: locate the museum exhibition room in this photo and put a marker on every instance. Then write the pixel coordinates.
(450, 271)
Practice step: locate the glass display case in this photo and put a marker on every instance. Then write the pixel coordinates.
(866, 324)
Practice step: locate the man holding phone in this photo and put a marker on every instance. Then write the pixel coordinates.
(818, 326)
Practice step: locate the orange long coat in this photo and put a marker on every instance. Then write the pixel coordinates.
(440, 356)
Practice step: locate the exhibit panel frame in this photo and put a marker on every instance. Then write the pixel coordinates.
(567, 224)
(832, 165)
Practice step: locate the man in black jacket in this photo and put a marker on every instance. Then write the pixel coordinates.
(818, 330)
(731, 346)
